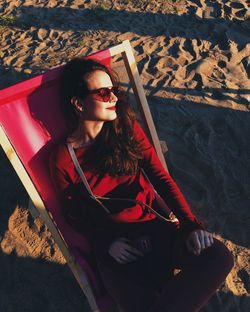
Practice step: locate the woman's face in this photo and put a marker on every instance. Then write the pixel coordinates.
(94, 106)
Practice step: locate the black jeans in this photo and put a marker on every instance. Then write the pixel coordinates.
(149, 285)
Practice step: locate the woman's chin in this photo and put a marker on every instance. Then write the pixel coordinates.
(112, 115)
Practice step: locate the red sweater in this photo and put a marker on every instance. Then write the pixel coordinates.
(99, 227)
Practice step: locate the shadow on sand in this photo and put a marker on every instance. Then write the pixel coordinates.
(189, 26)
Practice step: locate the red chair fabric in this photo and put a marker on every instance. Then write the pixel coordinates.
(31, 118)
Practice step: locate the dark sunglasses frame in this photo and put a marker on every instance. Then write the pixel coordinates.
(104, 94)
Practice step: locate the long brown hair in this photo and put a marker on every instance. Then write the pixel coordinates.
(115, 151)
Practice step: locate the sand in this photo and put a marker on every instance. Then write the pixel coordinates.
(194, 61)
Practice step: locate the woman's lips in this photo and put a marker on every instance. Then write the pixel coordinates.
(112, 108)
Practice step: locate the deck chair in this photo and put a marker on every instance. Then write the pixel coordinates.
(30, 125)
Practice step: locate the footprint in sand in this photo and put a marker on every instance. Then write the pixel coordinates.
(41, 48)
(218, 74)
(42, 229)
(237, 5)
(244, 276)
(205, 9)
(42, 34)
(213, 10)
(246, 64)
(195, 8)
(188, 46)
(235, 8)
(198, 3)
(227, 10)
(52, 250)
(44, 56)
(152, 64)
(222, 64)
(157, 64)
(22, 60)
(174, 50)
(241, 13)
(7, 34)
(159, 84)
(199, 83)
(53, 35)
(139, 49)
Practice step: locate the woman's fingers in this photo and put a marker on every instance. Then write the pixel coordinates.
(207, 241)
(193, 243)
(199, 240)
(130, 248)
(196, 243)
(210, 239)
(134, 250)
(202, 239)
(123, 252)
(127, 257)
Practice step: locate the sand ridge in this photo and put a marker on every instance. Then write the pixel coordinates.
(194, 61)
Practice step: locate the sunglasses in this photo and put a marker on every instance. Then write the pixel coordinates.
(104, 94)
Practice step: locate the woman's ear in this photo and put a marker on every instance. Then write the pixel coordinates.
(77, 103)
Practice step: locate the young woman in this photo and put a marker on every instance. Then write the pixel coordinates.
(136, 248)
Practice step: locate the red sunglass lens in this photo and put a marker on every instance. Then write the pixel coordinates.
(105, 93)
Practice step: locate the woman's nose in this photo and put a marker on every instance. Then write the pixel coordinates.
(113, 97)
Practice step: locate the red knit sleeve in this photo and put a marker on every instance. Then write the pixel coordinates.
(164, 184)
(75, 208)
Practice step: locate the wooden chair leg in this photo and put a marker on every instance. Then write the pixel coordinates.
(34, 212)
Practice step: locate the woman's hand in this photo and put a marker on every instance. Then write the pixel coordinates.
(123, 251)
(199, 240)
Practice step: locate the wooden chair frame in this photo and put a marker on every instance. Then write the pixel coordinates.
(124, 49)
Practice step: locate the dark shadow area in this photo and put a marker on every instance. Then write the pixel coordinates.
(12, 192)
(212, 93)
(228, 302)
(209, 157)
(38, 285)
(9, 76)
(220, 94)
(140, 23)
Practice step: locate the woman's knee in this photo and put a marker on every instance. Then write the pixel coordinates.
(220, 256)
